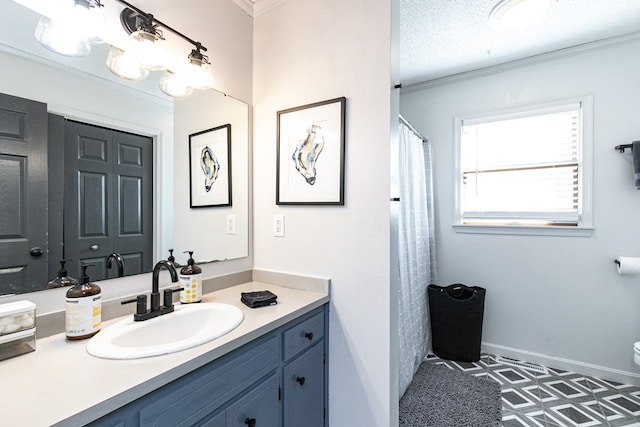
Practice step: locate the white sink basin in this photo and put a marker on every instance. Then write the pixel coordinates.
(188, 326)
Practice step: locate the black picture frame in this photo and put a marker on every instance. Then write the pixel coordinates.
(310, 154)
(210, 167)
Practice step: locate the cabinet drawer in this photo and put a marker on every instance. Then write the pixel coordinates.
(303, 335)
(201, 392)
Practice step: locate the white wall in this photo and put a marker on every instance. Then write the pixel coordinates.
(559, 298)
(204, 230)
(307, 51)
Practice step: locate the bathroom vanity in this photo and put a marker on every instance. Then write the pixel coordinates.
(269, 371)
(278, 376)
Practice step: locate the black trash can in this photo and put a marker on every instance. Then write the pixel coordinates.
(456, 313)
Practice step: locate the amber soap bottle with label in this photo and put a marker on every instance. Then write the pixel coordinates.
(83, 308)
(191, 282)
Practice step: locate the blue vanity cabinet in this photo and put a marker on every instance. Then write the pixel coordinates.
(276, 380)
(304, 379)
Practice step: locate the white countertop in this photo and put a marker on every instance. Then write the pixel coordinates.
(61, 384)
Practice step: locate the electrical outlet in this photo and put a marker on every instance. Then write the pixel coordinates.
(231, 224)
(278, 225)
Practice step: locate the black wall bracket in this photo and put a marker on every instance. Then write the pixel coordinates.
(623, 147)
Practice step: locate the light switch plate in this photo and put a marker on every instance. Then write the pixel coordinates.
(231, 224)
(278, 225)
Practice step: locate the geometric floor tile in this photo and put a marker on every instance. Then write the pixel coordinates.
(554, 399)
(624, 404)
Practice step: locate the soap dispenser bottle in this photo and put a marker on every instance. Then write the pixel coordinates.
(190, 281)
(62, 279)
(83, 308)
(172, 260)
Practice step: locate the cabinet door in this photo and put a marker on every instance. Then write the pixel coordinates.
(217, 420)
(304, 389)
(258, 408)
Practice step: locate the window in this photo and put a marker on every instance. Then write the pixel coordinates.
(526, 170)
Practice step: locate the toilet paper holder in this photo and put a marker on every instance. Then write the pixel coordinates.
(628, 265)
(621, 149)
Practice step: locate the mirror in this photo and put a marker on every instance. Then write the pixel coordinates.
(83, 89)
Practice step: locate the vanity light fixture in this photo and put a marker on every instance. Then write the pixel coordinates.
(76, 25)
(515, 14)
(70, 27)
(180, 79)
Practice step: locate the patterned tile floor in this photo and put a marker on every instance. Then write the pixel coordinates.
(556, 398)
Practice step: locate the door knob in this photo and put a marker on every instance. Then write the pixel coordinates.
(309, 335)
(36, 252)
(300, 380)
(93, 247)
(251, 422)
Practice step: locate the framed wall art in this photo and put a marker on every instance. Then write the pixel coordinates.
(210, 167)
(310, 154)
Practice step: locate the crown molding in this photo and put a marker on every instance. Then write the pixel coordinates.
(263, 6)
(245, 5)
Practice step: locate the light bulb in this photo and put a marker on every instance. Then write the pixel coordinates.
(200, 76)
(198, 70)
(125, 65)
(61, 38)
(86, 17)
(76, 25)
(175, 85)
(148, 49)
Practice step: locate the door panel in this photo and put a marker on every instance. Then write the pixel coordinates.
(134, 264)
(93, 202)
(12, 174)
(110, 198)
(131, 197)
(133, 171)
(94, 147)
(23, 194)
(88, 195)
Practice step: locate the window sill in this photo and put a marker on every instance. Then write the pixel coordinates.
(524, 230)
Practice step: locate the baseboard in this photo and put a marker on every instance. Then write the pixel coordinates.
(589, 369)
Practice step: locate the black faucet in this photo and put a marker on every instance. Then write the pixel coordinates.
(155, 310)
(119, 261)
(155, 287)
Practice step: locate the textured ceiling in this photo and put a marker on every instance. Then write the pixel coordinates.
(445, 37)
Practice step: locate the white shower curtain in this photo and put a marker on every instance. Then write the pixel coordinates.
(416, 251)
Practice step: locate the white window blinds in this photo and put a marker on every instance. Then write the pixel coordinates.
(522, 170)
